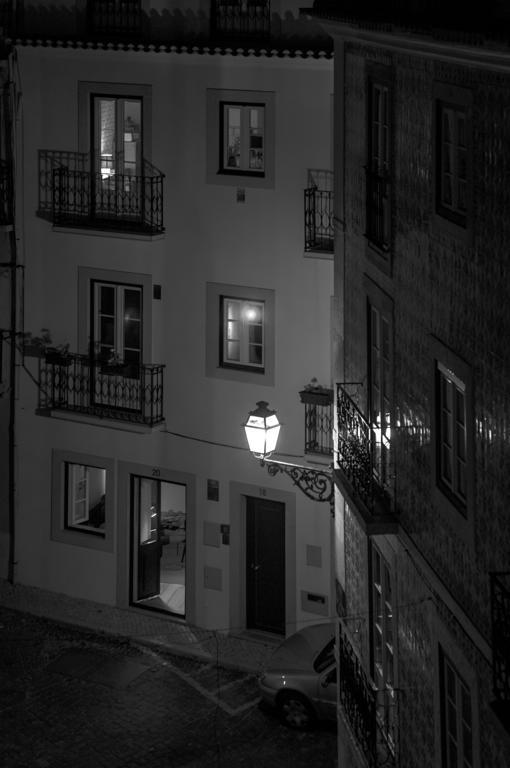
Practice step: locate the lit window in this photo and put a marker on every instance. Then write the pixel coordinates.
(452, 436)
(452, 159)
(243, 333)
(380, 390)
(243, 138)
(85, 498)
(456, 718)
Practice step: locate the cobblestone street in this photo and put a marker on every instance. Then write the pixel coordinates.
(72, 698)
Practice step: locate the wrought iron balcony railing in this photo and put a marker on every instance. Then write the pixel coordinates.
(318, 404)
(114, 17)
(6, 201)
(240, 18)
(319, 230)
(500, 609)
(365, 707)
(117, 201)
(378, 209)
(363, 455)
(130, 393)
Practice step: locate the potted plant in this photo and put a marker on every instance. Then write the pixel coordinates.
(35, 346)
(315, 394)
(58, 355)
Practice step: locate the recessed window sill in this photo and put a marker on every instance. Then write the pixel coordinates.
(319, 254)
(109, 233)
(106, 423)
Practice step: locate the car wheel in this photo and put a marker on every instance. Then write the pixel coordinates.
(295, 710)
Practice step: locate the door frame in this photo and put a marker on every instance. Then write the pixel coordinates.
(124, 536)
(237, 597)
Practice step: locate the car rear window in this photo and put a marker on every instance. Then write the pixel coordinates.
(326, 657)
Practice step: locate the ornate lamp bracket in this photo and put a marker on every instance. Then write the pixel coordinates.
(317, 484)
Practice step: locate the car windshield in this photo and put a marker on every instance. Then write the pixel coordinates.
(326, 657)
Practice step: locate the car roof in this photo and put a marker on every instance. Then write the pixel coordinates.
(300, 649)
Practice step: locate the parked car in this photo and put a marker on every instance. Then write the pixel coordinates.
(300, 678)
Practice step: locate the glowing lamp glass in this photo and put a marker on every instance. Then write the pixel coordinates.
(262, 429)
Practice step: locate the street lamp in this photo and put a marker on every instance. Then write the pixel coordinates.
(262, 429)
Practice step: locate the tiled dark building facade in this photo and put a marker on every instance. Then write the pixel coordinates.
(422, 321)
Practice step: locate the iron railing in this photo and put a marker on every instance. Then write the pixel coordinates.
(240, 18)
(500, 609)
(364, 707)
(118, 201)
(378, 209)
(114, 17)
(363, 455)
(49, 161)
(132, 393)
(319, 229)
(6, 196)
(318, 404)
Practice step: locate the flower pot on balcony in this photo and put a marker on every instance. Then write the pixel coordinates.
(316, 396)
(56, 357)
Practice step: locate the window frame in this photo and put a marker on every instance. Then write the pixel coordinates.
(379, 77)
(215, 367)
(71, 480)
(447, 96)
(60, 531)
(244, 138)
(243, 338)
(445, 709)
(457, 515)
(216, 172)
(387, 719)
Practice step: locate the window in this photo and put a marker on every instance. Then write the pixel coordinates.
(451, 434)
(383, 635)
(456, 717)
(85, 498)
(240, 333)
(82, 507)
(378, 166)
(243, 138)
(453, 156)
(380, 372)
(452, 162)
(452, 421)
(117, 323)
(243, 332)
(117, 131)
(114, 16)
(240, 138)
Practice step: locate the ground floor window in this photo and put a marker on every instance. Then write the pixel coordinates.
(85, 498)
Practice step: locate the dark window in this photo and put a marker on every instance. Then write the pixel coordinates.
(452, 162)
(456, 717)
(383, 640)
(378, 166)
(451, 448)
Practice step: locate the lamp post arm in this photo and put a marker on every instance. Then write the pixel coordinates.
(317, 484)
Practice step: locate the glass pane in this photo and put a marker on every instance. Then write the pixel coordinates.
(255, 354)
(256, 140)
(233, 351)
(233, 137)
(132, 304)
(106, 332)
(255, 334)
(132, 334)
(132, 136)
(107, 145)
(107, 300)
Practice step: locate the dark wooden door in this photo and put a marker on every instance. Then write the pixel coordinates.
(265, 565)
(147, 493)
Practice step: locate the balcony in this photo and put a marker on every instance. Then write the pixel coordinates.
(364, 707)
(378, 210)
(318, 402)
(78, 383)
(120, 18)
(363, 466)
(319, 227)
(6, 211)
(240, 18)
(500, 610)
(118, 202)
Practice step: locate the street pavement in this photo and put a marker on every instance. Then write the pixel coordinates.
(75, 697)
